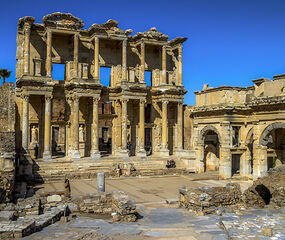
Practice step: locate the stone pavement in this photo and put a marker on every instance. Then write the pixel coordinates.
(144, 189)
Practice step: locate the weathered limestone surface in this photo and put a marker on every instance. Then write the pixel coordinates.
(7, 141)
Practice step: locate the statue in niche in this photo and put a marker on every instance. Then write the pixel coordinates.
(34, 134)
(81, 133)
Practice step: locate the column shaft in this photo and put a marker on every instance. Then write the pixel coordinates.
(96, 60)
(141, 124)
(95, 130)
(164, 65)
(49, 54)
(179, 125)
(75, 55)
(124, 61)
(27, 49)
(124, 123)
(164, 125)
(25, 123)
(47, 137)
(75, 153)
(180, 64)
(142, 78)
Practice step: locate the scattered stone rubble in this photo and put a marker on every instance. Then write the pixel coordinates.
(33, 214)
(267, 191)
(206, 200)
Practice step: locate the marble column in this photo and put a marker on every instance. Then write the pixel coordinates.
(75, 55)
(225, 166)
(164, 151)
(95, 154)
(25, 123)
(47, 137)
(142, 76)
(142, 152)
(124, 61)
(96, 60)
(180, 64)
(75, 150)
(27, 29)
(49, 54)
(179, 126)
(163, 73)
(124, 127)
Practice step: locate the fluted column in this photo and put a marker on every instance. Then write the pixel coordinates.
(180, 64)
(75, 152)
(164, 125)
(49, 54)
(142, 152)
(96, 60)
(179, 126)
(124, 123)
(124, 60)
(47, 136)
(27, 29)
(95, 154)
(142, 77)
(163, 73)
(75, 55)
(25, 123)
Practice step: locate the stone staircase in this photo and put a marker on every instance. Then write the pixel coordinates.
(59, 168)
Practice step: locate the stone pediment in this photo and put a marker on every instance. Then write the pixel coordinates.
(152, 34)
(109, 28)
(63, 20)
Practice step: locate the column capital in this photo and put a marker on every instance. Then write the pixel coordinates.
(124, 100)
(27, 28)
(165, 101)
(142, 101)
(95, 100)
(75, 98)
(25, 97)
(48, 98)
(96, 38)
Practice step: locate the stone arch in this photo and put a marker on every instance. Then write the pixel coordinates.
(249, 136)
(204, 132)
(264, 136)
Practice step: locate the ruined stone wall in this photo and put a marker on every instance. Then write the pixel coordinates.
(7, 140)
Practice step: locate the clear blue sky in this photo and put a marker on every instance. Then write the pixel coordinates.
(230, 42)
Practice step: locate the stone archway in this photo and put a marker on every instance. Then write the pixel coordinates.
(272, 140)
(209, 141)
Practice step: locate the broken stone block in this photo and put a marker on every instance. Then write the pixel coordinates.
(54, 198)
(7, 216)
(266, 231)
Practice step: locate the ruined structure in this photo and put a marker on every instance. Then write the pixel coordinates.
(240, 130)
(80, 117)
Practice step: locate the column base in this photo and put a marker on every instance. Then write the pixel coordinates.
(124, 153)
(47, 155)
(179, 152)
(141, 153)
(95, 154)
(75, 154)
(163, 153)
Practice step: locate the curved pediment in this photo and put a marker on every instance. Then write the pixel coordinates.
(110, 28)
(152, 34)
(63, 20)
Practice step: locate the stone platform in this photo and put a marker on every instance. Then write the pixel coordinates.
(57, 169)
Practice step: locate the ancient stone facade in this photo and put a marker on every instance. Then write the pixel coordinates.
(7, 141)
(240, 130)
(80, 117)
